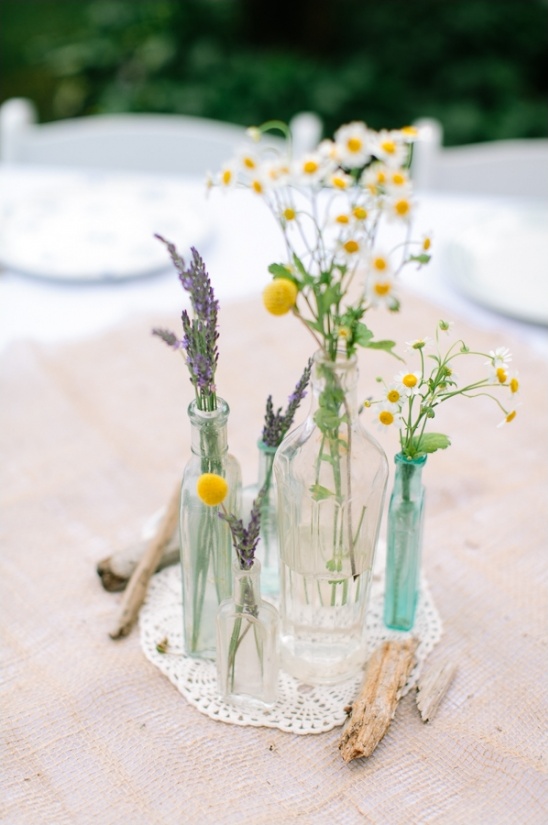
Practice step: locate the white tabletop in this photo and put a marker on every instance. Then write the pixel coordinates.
(46, 211)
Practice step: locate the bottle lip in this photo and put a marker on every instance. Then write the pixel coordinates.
(222, 411)
(266, 448)
(401, 458)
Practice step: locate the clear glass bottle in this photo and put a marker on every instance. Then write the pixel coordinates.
(404, 543)
(247, 643)
(267, 548)
(206, 543)
(331, 477)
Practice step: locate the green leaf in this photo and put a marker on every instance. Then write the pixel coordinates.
(319, 493)
(281, 271)
(362, 335)
(387, 346)
(420, 259)
(429, 443)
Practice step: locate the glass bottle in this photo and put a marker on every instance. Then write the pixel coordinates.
(247, 643)
(267, 548)
(404, 543)
(331, 477)
(206, 543)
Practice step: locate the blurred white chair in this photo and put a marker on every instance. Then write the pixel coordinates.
(500, 167)
(179, 144)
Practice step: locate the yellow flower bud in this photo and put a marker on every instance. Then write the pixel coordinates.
(280, 296)
(212, 489)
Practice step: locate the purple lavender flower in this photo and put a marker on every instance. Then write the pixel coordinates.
(277, 424)
(200, 336)
(245, 539)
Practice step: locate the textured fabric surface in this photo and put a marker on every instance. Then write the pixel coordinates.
(94, 436)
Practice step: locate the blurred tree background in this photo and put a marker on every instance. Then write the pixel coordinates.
(479, 66)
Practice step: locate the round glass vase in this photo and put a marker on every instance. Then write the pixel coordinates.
(205, 539)
(331, 477)
(267, 549)
(247, 643)
(404, 543)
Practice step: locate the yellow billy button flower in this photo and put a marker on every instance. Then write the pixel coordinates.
(280, 295)
(211, 489)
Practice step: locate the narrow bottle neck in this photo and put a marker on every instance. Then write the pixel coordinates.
(247, 586)
(408, 476)
(209, 431)
(334, 384)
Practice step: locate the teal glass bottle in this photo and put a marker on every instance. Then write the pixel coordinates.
(404, 543)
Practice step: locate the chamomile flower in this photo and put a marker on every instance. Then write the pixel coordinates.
(228, 176)
(248, 161)
(388, 417)
(389, 146)
(446, 326)
(408, 383)
(509, 417)
(397, 180)
(359, 213)
(310, 168)
(513, 382)
(350, 248)
(499, 357)
(393, 397)
(338, 180)
(419, 343)
(352, 144)
(374, 178)
(381, 291)
(399, 207)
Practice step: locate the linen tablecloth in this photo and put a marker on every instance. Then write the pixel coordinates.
(94, 437)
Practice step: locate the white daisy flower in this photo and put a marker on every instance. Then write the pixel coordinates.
(408, 382)
(499, 357)
(228, 176)
(382, 291)
(389, 146)
(310, 168)
(419, 343)
(352, 144)
(399, 206)
(387, 417)
(509, 417)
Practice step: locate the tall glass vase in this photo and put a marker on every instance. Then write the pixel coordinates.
(247, 644)
(331, 477)
(267, 549)
(206, 544)
(404, 543)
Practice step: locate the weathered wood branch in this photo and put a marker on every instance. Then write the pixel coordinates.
(374, 708)
(432, 687)
(136, 589)
(116, 570)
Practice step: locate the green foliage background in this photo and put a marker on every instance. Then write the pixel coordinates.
(479, 66)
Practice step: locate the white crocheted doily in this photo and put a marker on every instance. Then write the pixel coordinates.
(300, 708)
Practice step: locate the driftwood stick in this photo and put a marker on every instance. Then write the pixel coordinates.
(432, 687)
(135, 592)
(373, 710)
(115, 570)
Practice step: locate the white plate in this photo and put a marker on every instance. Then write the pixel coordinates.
(501, 261)
(100, 226)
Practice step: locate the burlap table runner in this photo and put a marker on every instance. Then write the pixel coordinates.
(94, 436)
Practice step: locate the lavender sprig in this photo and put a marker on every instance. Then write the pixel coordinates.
(199, 341)
(277, 424)
(245, 539)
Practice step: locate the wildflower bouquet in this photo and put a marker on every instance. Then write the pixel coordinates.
(409, 402)
(205, 541)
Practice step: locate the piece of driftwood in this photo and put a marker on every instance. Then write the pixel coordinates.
(432, 687)
(136, 589)
(373, 710)
(115, 571)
